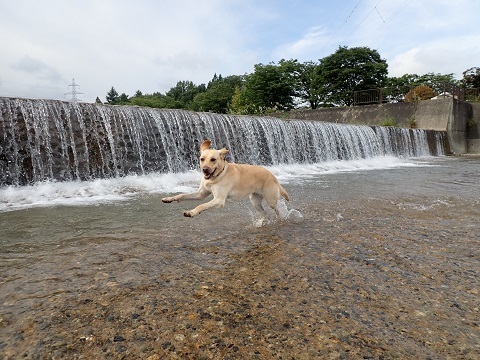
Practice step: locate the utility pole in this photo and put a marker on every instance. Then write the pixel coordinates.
(74, 92)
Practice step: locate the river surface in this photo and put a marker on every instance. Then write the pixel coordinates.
(385, 263)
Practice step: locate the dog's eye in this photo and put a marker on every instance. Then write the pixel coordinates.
(213, 159)
(202, 159)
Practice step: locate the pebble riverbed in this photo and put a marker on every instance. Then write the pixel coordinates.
(384, 266)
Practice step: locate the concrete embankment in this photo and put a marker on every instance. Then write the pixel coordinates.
(459, 119)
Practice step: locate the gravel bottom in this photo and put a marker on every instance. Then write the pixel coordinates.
(372, 279)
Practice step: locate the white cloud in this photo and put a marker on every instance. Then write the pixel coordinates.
(150, 45)
(38, 68)
(450, 55)
(437, 36)
(308, 47)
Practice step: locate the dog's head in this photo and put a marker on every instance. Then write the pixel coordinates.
(212, 161)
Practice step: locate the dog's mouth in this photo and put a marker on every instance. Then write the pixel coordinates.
(208, 174)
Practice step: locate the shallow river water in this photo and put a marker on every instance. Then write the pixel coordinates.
(385, 265)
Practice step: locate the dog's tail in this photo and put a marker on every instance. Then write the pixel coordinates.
(283, 192)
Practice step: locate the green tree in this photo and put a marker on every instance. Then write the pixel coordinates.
(112, 96)
(436, 81)
(270, 87)
(404, 80)
(309, 84)
(123, 99)
(98, 101)
(290, 71)
(239, 103)
(183, 93)
(471, 78)
(432, 80)
(155, 100)
(218, 95)
(349, 70)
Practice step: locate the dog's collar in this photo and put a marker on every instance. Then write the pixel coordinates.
(224, 166)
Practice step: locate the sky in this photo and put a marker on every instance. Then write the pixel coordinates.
(150, 45)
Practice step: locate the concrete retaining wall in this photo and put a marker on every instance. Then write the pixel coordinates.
(461, 120)
(400, 113)
(473, 130)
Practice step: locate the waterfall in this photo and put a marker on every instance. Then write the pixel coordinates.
(55, 140)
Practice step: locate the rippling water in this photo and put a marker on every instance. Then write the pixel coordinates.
(64, 238)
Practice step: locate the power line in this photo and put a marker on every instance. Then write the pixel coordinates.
(378, 12)
(365, 18)
(351, 13)
(342, 24)
(375, 32)
(400, 8)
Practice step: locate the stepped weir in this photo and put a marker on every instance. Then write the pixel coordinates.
(44, 140)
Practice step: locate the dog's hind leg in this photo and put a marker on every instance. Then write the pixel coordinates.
(271, 197)
(256, 200)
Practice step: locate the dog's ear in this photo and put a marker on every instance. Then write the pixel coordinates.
(205, 145)
(223, 152)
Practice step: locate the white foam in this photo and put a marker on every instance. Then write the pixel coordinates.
(296, 172)
(78, 193)
(95, 192)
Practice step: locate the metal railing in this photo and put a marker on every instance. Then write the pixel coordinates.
(397, 94)
(380, 95)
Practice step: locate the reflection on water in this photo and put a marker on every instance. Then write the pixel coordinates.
(67, 250)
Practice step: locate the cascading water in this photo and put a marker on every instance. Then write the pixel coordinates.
(48, 139)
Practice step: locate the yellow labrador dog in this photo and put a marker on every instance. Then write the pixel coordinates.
(235, 181)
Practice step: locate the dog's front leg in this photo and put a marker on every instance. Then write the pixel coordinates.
(216, 202)
(201, 194)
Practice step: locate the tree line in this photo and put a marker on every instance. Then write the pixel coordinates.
(289, 84)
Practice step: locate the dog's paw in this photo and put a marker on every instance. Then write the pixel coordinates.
(168, 200)
(187, 214)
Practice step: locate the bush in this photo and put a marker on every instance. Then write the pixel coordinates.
(389, 121)
(420, 92)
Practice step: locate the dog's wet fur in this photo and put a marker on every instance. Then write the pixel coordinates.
(226, 180)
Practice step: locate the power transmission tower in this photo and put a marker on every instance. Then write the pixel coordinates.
(74, 92)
